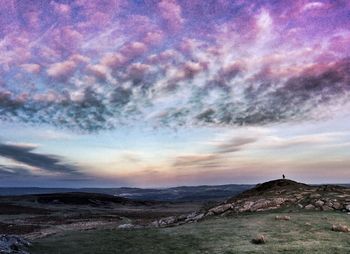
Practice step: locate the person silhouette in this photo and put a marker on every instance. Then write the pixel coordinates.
(284, 177)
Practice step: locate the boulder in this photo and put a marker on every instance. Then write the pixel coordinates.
(267, 204)
(12, 244)
(220, 209)
(167, 221)
(319, 203)
(126, 226)
(259, 239)
(340, 228)
(326, 208)
(309, 207)
(285, 217)
(194, 217)
(198, 217)
(336, 205)
(347, 207)
(246, 206)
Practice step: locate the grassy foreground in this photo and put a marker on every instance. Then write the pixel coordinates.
(307, 232)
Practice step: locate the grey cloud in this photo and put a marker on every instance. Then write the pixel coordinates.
(25, 155)
(271, 101)
(14, 171)
(263, 101)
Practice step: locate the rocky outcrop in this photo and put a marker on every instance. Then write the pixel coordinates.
(12, 244)
(271, 196)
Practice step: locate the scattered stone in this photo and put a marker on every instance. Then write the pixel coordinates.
(340, 228)
(309, 207)
(12, 244)
(285, 217)
(307, 224)
(126, 226)
(259, 239)
(347, 208)
(300, 206)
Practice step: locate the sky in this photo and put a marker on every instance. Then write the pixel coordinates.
(159, 93)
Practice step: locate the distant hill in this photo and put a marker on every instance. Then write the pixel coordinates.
(175, 194)
(73, 198)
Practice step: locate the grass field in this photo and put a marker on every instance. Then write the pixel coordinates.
(306, 232)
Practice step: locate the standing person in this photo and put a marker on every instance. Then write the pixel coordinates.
(284, 177)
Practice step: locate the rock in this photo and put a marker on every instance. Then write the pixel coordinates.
(259, 239)
(316, 195)
(210, 213)
(285, 217)
(199, 217)
(347, 208)
(126, 226)
(309, 207)
(246, 206)
(194, 217)
(307, 224)
(319, 203)
(340, 228)
(155, 224)
(220, 209)
(167, 221)
(300, 206)
(267, 204)
(336, 205)
(326, 208)
(12, 244)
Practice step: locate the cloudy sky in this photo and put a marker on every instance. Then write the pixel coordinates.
(173, 92)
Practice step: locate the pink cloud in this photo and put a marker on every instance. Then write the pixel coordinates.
(164, 57)
(313, 5)
(66, 38)
(134, 49)
(190, 69)
(113, 60)
(31, 68)
(137, 70)
(62, 70)
(98, 70)
(171, 13)
(153, 38)
(62, 9)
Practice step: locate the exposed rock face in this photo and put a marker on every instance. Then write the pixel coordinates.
(12, 244)
(273, 195)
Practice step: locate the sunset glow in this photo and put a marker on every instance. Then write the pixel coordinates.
(165, 93)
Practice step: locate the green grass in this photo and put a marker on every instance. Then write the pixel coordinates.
(220, 235)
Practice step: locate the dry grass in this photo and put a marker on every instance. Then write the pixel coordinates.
(215, 236)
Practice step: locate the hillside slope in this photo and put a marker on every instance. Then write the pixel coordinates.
(272, 195)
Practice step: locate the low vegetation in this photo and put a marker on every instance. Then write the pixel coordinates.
(305, 232)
